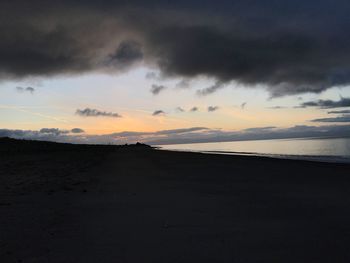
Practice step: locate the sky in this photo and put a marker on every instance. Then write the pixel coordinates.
(161, 72)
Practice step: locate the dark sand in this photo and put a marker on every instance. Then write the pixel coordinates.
(133, 204)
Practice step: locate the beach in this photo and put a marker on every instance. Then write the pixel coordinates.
(76, 203)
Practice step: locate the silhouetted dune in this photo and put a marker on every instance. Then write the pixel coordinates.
(15, 145)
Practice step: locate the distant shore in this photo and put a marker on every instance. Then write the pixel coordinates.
(78, 203)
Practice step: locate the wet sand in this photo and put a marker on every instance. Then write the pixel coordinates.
(135, 204)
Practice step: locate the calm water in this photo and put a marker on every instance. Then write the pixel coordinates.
(330, 150)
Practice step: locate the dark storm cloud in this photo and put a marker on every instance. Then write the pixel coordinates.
(343, 102)
(27, 89)
(212, 108)
(156, 89)
(87, 112)
(291, 46)
(344, 118)
(127, 53)
(338, 111)
(289, 60)
(158, 112)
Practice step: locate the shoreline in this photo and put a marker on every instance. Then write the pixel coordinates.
(310, 158)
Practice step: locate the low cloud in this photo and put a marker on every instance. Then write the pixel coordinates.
(45, 134)
(345, 118)
(212, 108)
(87, 112)
(56, 131)
(75, 135)
(180, 131)
(158, 113)
(327, 104)
(261, 129)
(53, 131)
(77, 130)
(156, 89)
(259, 133)
(339, 111)
(30, 90)
(185, 135)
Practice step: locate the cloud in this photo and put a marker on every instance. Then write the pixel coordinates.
(179, 109)
(327, 104)
(211, 89)
(194, 109)
(158, 113)
(128, 134)
(212, 108)
(259, 133)
(276, 107)
(27, 89)
(75, 136)
(183, 84)
(77, 130)
(156, 89)
(344, 118)
(30, 89)
(295, 47)
(127, 53)
(53, 131)
(339, 111)
(87, 112)
(243, 105)
(48, 134)
(44, 134)
(261, 129)
(180, 131)
(152, 76)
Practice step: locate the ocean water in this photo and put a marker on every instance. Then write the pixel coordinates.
(325, 150)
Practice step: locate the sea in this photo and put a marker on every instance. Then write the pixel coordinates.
(312, 149)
